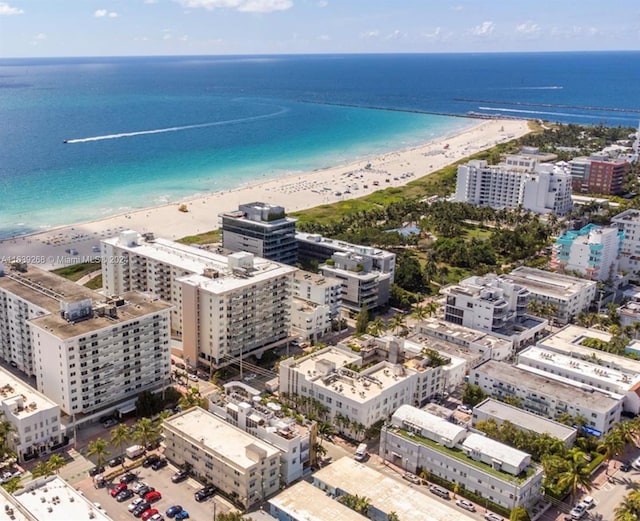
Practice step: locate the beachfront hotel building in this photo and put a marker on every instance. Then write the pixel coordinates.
(548, 397)
(366, 273)
(598, 174)
(262, 229)
(244, 468)
(417, 439)
(34, 417)
(500, 412)
(493, 304)
(628, 222)
(386, 494)
(570, 295)
(241, 406)
(226, 307)
(89, 354)
(592, 251)
(542, 189)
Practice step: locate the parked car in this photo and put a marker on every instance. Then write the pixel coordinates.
(173, 510)
(129, 477)
(193, 377)
(439, 491)
(490, 516)
(205, 493)
(127, 493)
(94, 471)
(183, 514)
(114, 462)
(179, 476)
(625, 467)
(156, 517)
(578, 511)
(588, 501)
(117, 489)
(162, 462)
(412, 478)
(147, 515)
(137, 501)
(180, 365)
(465, 409)
(145, 490)
(111, 422)
(467, 505)
(141, 508)
(152, 496)
(139, 486)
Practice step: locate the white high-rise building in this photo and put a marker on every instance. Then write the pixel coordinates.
(629, 223)
(545, 189)
(225, 306)
(89, 354)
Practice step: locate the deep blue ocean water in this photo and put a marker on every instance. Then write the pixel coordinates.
(144, 131)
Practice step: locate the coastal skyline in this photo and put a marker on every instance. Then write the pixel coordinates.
(69, 28)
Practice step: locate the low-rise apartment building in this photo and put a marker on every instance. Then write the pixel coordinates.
(417, 440)
(316, 304)
(243, 467)
(34, 417)
(501, 412)
(239, 407)
(628, 222)
(386, 494)
(569, 295)
(548, 397)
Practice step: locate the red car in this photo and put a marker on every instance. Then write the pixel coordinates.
(148, 513)
(152, 496)
(117, 489)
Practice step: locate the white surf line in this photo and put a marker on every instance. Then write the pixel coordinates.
(173, 129)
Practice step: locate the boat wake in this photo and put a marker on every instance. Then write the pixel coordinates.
(542, 112)
(282, 110)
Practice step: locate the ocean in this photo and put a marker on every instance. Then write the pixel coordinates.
(150, 130)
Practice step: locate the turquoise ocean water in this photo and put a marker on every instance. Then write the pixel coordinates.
(146, 131)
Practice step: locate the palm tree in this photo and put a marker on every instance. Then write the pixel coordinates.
(376, 327)
(120, 437)
(398, 322)
(576, 473)
(55, 463)
(629, 508)
(419, 313)
(612, 445)
(145, 431)
(12, 486)
(98, 448)
(6, 430)
(41, 469)
(192, 399)
(392, 516)
(233, 516)
(325, 430)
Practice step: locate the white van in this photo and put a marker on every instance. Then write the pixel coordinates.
(636, 463)
(361, 452)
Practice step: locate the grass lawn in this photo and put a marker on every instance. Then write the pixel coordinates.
(95, 283)
(203, 238)
(76, 271)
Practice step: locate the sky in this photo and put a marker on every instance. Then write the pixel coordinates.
(64, 28)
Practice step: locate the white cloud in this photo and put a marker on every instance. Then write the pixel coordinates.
(246, 6)
(370, 34)
(324, 37)
(457, 8)
(323, 3)
(150, 1)
(102, 13)
(484, 29)
(396, 35)
(40, 36)
(528, 28)
(435, 34)
(166, 36)
(7, 10)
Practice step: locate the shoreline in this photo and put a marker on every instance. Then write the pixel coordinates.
(295, 191)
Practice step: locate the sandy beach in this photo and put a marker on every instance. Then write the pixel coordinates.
(64, 245)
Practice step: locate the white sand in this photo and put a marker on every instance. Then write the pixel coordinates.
(296, 192)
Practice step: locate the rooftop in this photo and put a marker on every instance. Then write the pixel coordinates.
(316, 279)
(385, 493)
(135, 305)
(44, 289)
(344, 246)
(603, 377)
(463, 335)
(219, 436)
(495, 450)
(544, 385)
(523, 419)
(21, 399)
(54, 498)
(548, 283)
(11, 507)
(409, 416)
(304, 502)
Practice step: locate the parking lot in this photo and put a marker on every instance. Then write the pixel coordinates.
(172, 494)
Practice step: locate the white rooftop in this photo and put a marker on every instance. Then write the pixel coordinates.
(53, 498)
(344, 246)
(496, 450)
(19, 399)
(548, 283)
(219, 436)
(387, 494)
(11, 507)
(304, 502)
(407, 415)
(196, 261)
(601, 377)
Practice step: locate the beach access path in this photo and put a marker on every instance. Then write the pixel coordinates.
(69, 244)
